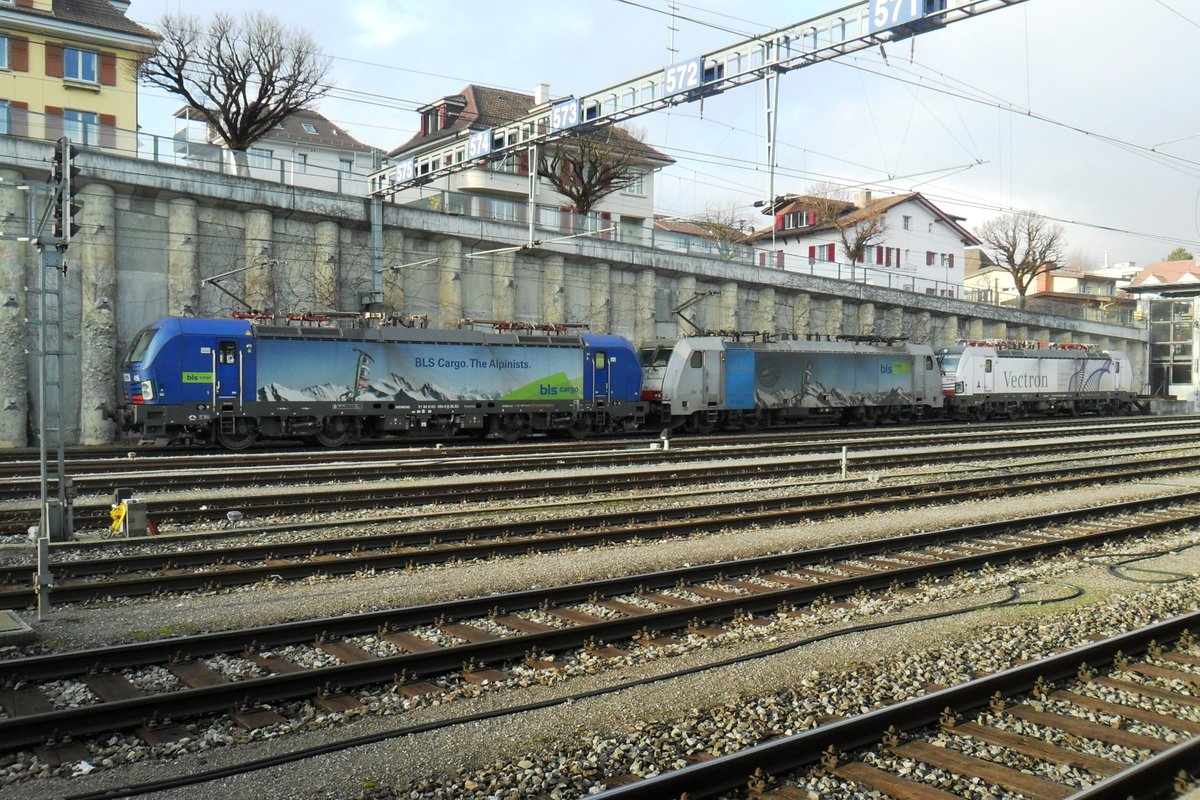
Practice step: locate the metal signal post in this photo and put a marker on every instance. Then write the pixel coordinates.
(56, 519)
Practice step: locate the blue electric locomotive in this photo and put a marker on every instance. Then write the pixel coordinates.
(231, 382)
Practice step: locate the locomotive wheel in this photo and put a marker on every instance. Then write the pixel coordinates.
(904, 414)
(871, 415)
(508, 427)
(335, 433)
(702, 424)
(243, 435)
(580, 428)
(751, 421)
(980, 413)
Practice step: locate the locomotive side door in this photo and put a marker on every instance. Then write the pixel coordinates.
(600, 372)
(227, 372)
(989, 375)
(712, 383)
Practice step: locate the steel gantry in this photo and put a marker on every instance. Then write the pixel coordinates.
(852, 28)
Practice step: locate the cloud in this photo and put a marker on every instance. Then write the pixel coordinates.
(384, 22)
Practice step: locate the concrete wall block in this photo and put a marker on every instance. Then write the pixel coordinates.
(14, 378)
(450, 288)
(554, 289)
(866, 319)
(259, 259)
(96, 253)
(834, 310)
(327, 259)
(504, 286)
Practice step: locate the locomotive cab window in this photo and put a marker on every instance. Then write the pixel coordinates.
(987, 365)
(228, 353)
(600, 361)
(697, 359)
(1117, 367)
(928, 362)
(137, 350)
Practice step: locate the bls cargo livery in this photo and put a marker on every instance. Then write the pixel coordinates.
(230, 382)
(1015, 379)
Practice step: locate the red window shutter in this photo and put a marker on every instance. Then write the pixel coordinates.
(18, 118)
(762, 258)
(812, 252)
(830, 253)
(108, 69)
(108, 131)
(54, 61)
(929, 258)
(951, 261)
(878, 254)
(811, 217)
(54, 122)
(523, 163)
(778, 259)
(18, 54)
(887, 256)
(779, 222)
(25, 3)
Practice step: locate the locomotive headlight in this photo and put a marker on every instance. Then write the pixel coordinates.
(147, 390)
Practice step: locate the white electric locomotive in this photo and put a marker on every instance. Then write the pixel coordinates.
(704, 382)
(982, 379)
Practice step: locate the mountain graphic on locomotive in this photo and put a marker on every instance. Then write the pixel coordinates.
(231, 382)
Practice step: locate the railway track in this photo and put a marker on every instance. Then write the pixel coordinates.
(244, 672)
(23, 462)
(175, 569)
(958, 738)
(149, 473)
(359, 496)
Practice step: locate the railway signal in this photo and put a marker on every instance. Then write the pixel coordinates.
(63, 174)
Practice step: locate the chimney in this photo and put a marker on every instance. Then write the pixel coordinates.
(864, 198)
(120, 5)
(541, 94)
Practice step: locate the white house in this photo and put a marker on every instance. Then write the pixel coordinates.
(499, 189)
(306, 150)
(920, 249)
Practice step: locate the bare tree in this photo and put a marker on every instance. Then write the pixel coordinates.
(243, 77)
(858, 228)
(725, 227)
(588, 168)
(1025, 245)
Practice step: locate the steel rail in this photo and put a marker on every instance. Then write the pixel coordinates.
(348, 497)
(730, 772)
(536, 535)
(29, 730)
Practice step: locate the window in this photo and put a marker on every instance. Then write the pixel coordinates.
(228, 353)
(987, 365)
(260, 157)
(3, 51)
(697, 359)
(80, 65)
(637, 184)
(81, 126)
(600, 362)
(907, 223)
(5, 127)
(301, 162)
(346, 165)
(308, 127)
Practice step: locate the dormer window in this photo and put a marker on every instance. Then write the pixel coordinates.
(308, 127)
(433, 120)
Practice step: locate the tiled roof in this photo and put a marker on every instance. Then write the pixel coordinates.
(852, 213)
(484, 107)
(292, 131)
(687, 227)
(1167, 273)
(327, 134)
(98, 14)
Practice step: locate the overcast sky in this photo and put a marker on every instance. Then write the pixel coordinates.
(1070, 97)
